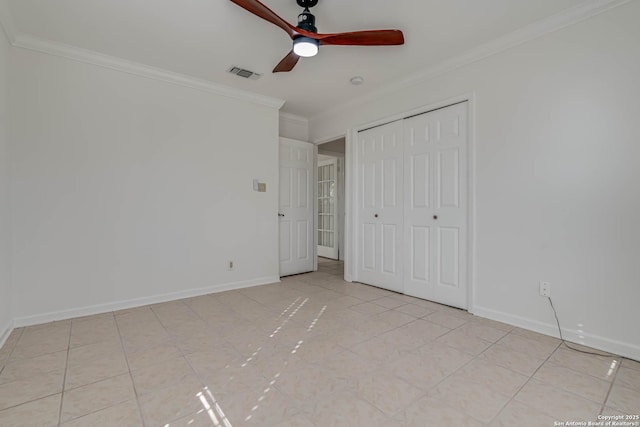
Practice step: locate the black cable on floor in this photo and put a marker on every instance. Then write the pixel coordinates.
(573, 348)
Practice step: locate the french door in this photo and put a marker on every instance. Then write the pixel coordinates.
(417, 186)
(328, 208)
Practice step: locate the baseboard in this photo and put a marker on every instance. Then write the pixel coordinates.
(605, 344)
(5, 332)
(138, 302)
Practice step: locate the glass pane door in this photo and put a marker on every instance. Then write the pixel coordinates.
(327, 208)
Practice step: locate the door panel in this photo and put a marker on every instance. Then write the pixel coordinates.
(296, 207)
(436, 193)
(420, 254)
(380, 207)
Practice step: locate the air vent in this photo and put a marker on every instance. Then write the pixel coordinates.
(247, 74)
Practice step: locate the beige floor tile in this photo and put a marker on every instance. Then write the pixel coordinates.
(426, 370)
(90, 353)
(629, 378)
(597, 366)
(535, 336)
(520, 415)
(461, 341)
(39, 343)
(473, 399)
(493, 377)
(309, 382)
(350, 364)
(536, 348)
(492, 324)
(94, 329)
(97, 396)
(22, 369)
(631, 364)
(484, 332)
(584, 385)
(95, 368)
(41, 413)
(374, 349)
(202, 418)
(432, 412)
(162, 406)
(395, 318)
(368, 308)
(163, 375)
(624, 399)
(387, 392)
(424, 331)
(125, 414)
(22, 391)
(143, 358)
(414, 310)
(215, 360)
(446, 320)
(389, 302)
(344, 410)
(258, 407)
(557, 403)
(517, 361)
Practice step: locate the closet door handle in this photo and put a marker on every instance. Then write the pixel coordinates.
(375, 216)
(435, 217)
(280, 214)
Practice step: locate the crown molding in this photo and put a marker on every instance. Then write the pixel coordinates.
(518, 37)
(294, 118)
(73, 53)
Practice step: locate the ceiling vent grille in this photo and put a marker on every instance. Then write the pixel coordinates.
(247, 74)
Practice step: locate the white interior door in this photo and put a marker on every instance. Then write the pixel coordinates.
(435, 214)
(296, 210)
(380, 206)
(328, 208)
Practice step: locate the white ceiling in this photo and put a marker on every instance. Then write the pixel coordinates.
(203, 38)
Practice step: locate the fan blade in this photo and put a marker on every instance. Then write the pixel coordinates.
(262, 11)
(363, 38)
(287, 63)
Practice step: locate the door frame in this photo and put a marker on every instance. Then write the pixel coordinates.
(352, 185)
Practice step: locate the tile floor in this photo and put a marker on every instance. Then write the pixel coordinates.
(310, 351)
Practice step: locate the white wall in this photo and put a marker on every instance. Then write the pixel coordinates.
(557, 173)
(128, 190)
(6, 314)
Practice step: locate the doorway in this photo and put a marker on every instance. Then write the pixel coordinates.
(331, 207)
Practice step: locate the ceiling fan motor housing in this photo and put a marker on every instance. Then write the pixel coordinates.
(307, 22)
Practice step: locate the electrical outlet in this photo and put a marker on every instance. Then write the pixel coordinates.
(230, 265)
(545, 289)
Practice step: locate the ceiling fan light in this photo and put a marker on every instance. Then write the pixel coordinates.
(305, 46)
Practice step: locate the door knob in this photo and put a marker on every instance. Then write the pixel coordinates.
(435, 217)
(280, 214)
(375, 216)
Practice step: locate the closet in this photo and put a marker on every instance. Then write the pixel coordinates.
(412, 207)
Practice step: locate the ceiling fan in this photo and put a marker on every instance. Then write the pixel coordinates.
(306, 40)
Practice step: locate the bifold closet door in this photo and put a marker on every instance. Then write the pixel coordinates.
(435, 214)
(380, 210)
